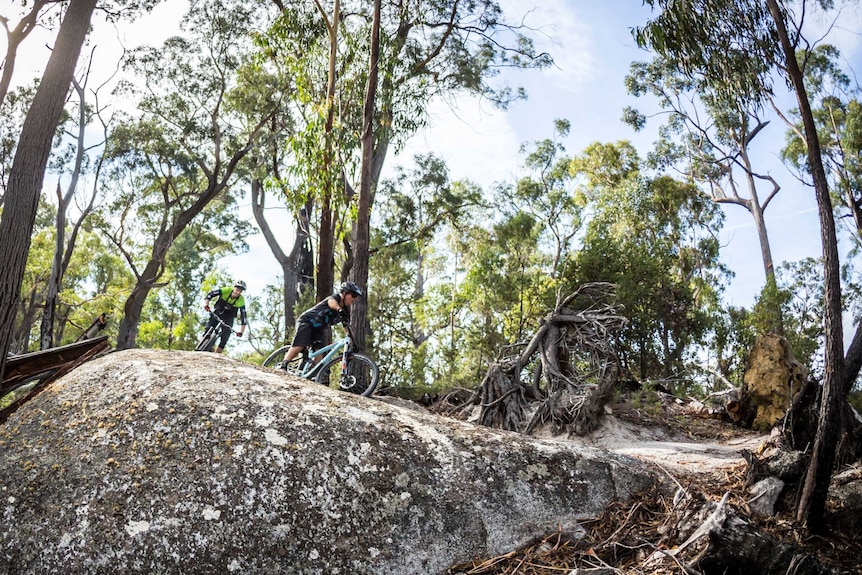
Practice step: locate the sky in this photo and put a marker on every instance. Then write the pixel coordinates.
(592, 46)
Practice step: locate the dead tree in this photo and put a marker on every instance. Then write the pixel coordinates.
(565, 374)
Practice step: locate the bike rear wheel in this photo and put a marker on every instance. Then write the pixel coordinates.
(276, 360)
(360, 376)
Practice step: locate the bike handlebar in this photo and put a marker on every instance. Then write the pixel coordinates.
(212, 314)
(223, 324)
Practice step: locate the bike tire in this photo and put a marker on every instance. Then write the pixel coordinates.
(362, 373)
(207, 341)
(276, 360)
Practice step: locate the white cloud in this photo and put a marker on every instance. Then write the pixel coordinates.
(560, 30)
(477, 141)
(106, 41)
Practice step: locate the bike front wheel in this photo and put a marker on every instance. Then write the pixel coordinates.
(207, 341)
(276, 360)
(359, 376)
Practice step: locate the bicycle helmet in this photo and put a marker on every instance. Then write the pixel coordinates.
(351, 288)
(239, 284)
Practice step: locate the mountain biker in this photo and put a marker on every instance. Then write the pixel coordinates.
(228, 301)
(312, 322)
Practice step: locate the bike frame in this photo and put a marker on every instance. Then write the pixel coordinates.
(339, 346)
(313, 364)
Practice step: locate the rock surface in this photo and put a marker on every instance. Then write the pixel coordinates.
(148, 461)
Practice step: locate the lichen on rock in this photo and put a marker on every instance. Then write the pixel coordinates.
(147, 461)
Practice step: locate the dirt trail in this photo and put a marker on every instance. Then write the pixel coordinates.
(673, 449)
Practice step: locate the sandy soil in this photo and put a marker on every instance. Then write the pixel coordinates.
(674, 451)
(678, 442)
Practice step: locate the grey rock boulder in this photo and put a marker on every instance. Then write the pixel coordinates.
(146, 461)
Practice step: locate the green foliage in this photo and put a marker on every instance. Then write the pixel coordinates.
(766, 316)
(547, 194)
(413, 315)
(654, 239)
(93, 285)
(266, 313)
(729, 47)
(855, 400)
(733, 338)
(837, 113)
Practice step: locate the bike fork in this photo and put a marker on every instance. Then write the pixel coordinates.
(343, 366)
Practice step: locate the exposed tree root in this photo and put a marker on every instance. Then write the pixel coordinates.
(564, 375)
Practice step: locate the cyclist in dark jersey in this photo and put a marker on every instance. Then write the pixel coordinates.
(228, 301)
(312, 322)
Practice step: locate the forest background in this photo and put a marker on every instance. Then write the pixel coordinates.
(184, 148)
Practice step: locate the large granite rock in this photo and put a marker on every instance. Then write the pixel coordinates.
(162, 462)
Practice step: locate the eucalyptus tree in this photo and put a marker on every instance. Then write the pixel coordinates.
(733, 42)
(428, 49)
(31, 157)
(297, 160)
(505, 286)
(304, 44)
(184, 150)
(367, 182)
(655, 238)
(76, 155)
(837, 112)
(316, 145)
(414, 208)
(709, 136)
(326, 244)
(548, 194)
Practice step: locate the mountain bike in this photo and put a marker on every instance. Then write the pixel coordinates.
(211, 335)
(335, 363)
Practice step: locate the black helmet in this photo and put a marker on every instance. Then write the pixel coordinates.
(239, 284)
(352, 288)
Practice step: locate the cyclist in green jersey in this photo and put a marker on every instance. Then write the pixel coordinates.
(228, 301)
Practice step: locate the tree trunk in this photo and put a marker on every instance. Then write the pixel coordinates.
(62, 252)
(287, 262)
(31, 157)
(360, 268)
(134, 305)
(812, 503)
(305, 259)
(326, 249)
(46, 338)
(777, 323)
